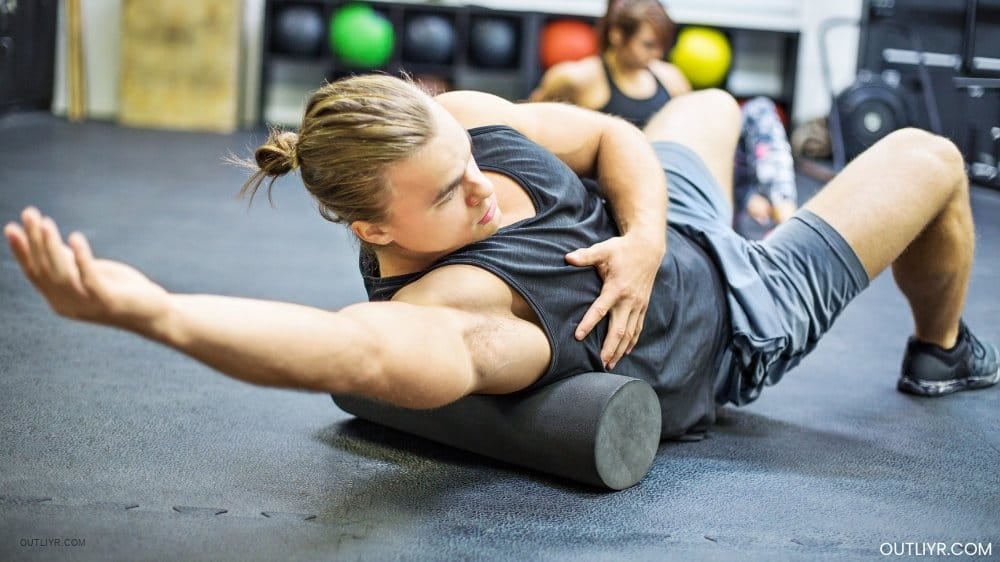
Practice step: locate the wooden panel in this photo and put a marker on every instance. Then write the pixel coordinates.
(180, 64)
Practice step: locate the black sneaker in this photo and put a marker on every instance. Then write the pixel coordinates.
(930, 370)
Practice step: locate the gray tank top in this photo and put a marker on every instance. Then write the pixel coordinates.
(681, 343)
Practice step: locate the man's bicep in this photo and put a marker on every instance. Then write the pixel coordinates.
(430, 356)
(420, 358)
(509, 353)
(570, 132)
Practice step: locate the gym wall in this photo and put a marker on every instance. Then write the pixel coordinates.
(102, 24)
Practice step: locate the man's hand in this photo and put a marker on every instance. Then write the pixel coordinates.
(628, 266)
(78, 286)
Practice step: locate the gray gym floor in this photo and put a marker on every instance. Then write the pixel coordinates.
(122, 450)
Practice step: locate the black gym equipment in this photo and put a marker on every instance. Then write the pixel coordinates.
(874, 105)
(980, 85)
(982, 128)
(960, 58)
(597, 428)
(429, 38)
(493, 42)
(299, 30)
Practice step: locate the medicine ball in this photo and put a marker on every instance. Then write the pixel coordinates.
(703, 55)
(567, 40)
(298, 30)
(493, 43)
(360, 36)
(429, 39)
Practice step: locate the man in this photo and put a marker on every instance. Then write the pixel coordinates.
(491, 266)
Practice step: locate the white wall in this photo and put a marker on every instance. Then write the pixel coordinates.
(101, 42)
(102, 23)
(812, 98)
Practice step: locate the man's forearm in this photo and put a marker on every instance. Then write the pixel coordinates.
(263, 342)
(633, 181)
(378, 350)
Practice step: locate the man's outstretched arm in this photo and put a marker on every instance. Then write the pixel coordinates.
(378, 350)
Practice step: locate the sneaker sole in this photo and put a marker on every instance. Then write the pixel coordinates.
(920, 387)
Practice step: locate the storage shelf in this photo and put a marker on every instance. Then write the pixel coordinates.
(764, 60)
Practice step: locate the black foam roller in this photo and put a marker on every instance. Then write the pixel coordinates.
(597, 428)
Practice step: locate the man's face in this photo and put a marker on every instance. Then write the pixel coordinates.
(440, 200)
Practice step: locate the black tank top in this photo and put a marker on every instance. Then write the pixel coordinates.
(636, 111)
(680, 345)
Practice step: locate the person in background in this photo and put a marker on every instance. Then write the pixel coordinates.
(630, 78)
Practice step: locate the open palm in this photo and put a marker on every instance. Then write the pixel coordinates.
(74, 283)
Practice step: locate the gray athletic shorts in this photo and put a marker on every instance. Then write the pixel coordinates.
(783, 292)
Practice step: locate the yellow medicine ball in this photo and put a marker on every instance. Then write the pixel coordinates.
(703, 55)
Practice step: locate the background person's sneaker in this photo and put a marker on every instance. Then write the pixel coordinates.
(930, 370)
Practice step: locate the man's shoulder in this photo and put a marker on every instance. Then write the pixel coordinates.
(460, 286)
(477, 292)
(473, 109)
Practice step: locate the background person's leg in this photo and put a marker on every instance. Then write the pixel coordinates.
(708, 123)
(765, 156)
(905, 203)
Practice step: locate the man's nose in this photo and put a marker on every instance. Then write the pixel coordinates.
(479, 189)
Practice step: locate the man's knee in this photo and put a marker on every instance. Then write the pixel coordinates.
(711, 110)
(927, 149)
(720, 102)
(935, 157)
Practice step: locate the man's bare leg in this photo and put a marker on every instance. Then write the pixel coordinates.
(707, 122)
(905, 203)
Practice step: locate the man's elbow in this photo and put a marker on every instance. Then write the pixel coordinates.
(415, 385)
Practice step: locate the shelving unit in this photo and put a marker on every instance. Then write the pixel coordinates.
(764, 60)
(512, 81)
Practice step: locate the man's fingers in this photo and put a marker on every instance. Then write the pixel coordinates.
(640, 321)
(593, 317)
(587, 256)
(618, 339)
(580, 257)
(56, 253)
(17, 239)
(32, 221)
(84, 258)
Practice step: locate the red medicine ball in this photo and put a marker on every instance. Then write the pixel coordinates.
(566, 40)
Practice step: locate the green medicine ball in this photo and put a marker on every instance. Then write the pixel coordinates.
(360, 36)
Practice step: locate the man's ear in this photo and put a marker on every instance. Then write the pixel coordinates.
(371, 233)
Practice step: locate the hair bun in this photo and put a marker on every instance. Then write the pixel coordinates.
(279, 155)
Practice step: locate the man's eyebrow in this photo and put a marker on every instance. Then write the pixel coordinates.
(444, 191)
